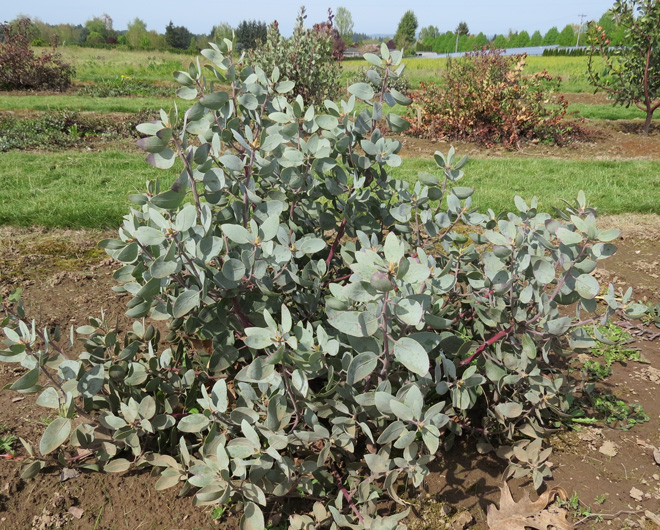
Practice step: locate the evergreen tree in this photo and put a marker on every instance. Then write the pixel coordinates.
(567, 37)
(500, 42)
(551, 37)
(536, 39)
(522, 40)
(405, 33)
(249, 33)
(177, 36)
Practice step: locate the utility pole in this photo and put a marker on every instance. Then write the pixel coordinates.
(580, 28)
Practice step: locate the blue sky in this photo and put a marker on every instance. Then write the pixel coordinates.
(369, 16)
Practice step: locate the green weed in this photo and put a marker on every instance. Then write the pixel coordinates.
(594, 371)
(618, 413)
(618, 352)
(218, 512)
(7, 442)
(576, 508)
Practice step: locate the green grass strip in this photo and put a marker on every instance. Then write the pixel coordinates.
(90, 189)
(71, 189)
(87, 103)
(613, 186)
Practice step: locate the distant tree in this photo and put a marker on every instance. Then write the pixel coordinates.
(522, 40)
(68, 33)
(249, 33)
(221, 31)
(46, 32)
(359, 37)
(462, 29)
(137, 30)
(100, 30)
(567, 37)
(177, 36)
(95, 38)
(632, 72)
(407, 30)
(344, 24)
(479, 42)
(156, 41)
(500, 42)
(429, 32)
(536, 39)
(551, 37)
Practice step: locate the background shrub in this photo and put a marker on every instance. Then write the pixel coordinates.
(308, 58)
(21, 69)
(485, 97)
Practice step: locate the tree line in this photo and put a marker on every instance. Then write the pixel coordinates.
(99, 31)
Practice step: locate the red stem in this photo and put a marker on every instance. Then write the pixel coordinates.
(340, 234)
(495, 338)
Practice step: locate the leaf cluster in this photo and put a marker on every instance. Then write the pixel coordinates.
(486, 98)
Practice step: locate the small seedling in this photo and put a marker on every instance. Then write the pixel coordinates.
(218, 512)
(44, 419)
(576, 507)
(600, 499)
(7, 442)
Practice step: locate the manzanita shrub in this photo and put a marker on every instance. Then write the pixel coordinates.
(330, 327)
(310, 58)
(486, 97)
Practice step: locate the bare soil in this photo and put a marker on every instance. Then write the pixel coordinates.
(65, 279)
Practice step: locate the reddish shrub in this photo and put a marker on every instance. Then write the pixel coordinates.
(484, 97)
(21, 69)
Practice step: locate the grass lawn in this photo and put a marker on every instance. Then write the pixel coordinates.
(71, 189)
(572, 70)
(89, 189)
(88, 103)
(608, 112)
(100, 64)
(614, 186)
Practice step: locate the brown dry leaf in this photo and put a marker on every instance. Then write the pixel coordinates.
(527, 514)
(608, 449)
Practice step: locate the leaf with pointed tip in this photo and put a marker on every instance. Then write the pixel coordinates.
(55, 435)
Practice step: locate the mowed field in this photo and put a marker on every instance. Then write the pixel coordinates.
(69, 161)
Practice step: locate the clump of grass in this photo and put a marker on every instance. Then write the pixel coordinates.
(124, 86)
